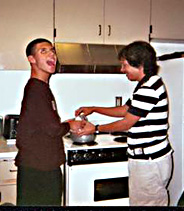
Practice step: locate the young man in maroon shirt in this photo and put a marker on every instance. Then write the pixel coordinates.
(39, 133)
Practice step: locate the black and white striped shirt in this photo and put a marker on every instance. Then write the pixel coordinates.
(150, 133)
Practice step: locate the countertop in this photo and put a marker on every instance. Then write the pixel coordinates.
(106, 141)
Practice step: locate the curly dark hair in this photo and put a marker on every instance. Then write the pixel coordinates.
(140, 53)
(31, 46)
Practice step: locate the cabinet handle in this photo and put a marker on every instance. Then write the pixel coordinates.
(109, 26)
(0, 197)
(13, 170)
(100, 30)
(8, 160)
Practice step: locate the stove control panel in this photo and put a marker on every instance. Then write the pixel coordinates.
(90, 156)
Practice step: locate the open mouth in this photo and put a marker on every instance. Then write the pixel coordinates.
(51, 63)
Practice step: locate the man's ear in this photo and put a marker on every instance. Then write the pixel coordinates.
(31, 59)
(141, 68)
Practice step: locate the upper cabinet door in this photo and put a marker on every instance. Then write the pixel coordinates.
(126, 21)
(102, 21)
(20, 22)
(167, 19)
(79, 21)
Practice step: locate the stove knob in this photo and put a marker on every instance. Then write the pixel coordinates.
(102, 155)
(87, 156)
(76, 156)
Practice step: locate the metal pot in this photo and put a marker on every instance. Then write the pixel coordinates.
(82, 139)
(85, 138)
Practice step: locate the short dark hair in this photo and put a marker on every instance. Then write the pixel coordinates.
(140, 53)
(31, 46)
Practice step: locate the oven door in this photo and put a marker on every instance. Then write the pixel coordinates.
(103, 184)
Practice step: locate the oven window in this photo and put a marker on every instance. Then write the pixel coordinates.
(112, 188)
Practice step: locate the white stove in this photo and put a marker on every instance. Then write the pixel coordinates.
(96, 174)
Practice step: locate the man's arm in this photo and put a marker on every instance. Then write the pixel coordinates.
(119, 111)
(121, 125)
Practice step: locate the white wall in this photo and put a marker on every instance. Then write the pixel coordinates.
(74, 90)
(11, 91)
(70, 91)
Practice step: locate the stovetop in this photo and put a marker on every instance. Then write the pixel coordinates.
(101, 141)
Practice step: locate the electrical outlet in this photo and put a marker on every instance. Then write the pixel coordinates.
(118, 101)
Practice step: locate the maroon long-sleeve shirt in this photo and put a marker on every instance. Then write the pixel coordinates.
(39, 133)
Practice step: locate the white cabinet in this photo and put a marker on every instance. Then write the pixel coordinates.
(8, 194)
(102, 21)
(8, 175)
(167, 19)
(129, 20)
(79, 20)
(20, 22)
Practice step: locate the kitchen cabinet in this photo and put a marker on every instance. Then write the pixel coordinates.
(22, 21)
(167, 19)
(8, 195)
(102, 21)
(129, 21)
(8, 175)
(78, 21)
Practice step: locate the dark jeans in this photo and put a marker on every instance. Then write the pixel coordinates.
(39, 188)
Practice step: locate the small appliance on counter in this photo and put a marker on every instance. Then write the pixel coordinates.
(10, 126)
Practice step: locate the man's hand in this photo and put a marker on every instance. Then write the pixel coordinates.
(76, 125)
(86, 129)
(85, 110)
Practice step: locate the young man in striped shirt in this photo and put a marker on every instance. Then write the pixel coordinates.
(145, 117)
